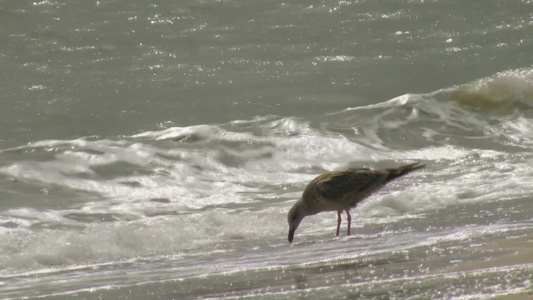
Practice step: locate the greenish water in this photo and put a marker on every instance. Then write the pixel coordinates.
(152, 150)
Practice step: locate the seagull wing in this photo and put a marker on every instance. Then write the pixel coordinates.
(351, 185)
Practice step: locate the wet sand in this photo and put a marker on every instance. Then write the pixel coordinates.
(514, 252)
(518, 296)
(495, 267)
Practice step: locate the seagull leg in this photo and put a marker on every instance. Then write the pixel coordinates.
(349, 221)
(339, 219)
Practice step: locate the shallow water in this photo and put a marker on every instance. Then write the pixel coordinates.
(152, 151)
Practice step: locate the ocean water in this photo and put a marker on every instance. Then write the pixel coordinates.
(153, 150)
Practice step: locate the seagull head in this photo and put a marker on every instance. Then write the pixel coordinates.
(294, 217)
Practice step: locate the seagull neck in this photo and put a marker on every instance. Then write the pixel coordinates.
(308, 209)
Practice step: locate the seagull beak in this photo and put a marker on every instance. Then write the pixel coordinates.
(291, 233)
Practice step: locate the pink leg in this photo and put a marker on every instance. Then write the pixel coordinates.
(339, 219)
(349, 221)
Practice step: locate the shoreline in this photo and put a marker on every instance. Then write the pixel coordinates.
(512, 252)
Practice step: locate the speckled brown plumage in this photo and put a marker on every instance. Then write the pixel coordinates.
(340, 191)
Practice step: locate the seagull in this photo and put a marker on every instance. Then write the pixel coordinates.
(340, 191)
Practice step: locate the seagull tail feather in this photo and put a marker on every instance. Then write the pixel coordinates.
(403, 170)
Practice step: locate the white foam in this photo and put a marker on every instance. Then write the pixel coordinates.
(229, 184)
(146, 237)
(204, 131)
(507, 86)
